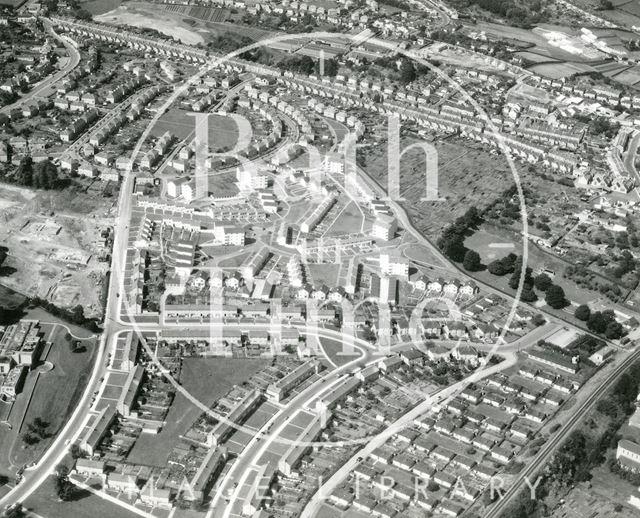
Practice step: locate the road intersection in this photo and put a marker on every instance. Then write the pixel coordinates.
(117, 322)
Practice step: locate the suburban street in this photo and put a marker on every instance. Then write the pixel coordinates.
(45, 84)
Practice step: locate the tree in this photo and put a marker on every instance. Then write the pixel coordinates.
(582, 312)
(407, 71)
(472, 217)
(75, 451)
(30, 438)
(40, 423)
(597, 322)
(542, 282)
(329, 68)
(77, 314)
(45, 175)
(64, 488)
(614, 330)
(502, 266)
(13, 511)
(83, 14)
(528, 295)
(24, 173)
(472, 261)
(538, 320)
(555, 297)
(514, 281)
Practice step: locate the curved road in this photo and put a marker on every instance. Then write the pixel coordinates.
(74, 59)
(332, 483)
(114, 324)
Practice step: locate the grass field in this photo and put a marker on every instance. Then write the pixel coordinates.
(97, 7)
(43, 316)
(625, 12)
(333, 349)
(423, 255)
(559, 70)
(58, 391)
(141, 15)
(45, 502)
(10, 299)
(207, 379)
(223, 131)
(482, 240)
(323, 273)
(467, 176)
(55, 393)
(349, 220)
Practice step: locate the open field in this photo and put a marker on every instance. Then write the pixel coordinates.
(223, 131)
(560, 70)
(539, 44)
(207, 379)
(329, 511)
(10, 299)
(156, 19)
(323, 273)
(191, 24)
(11, 195)
(97, 7)
(45, 502)
(348, 220)
(467, 176)
(534, 57)
(423, 255)
(333, 349)
(52, 244)
(630, 76)
(484, 242)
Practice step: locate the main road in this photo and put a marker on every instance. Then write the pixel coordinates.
(113, 324)
(57, 451)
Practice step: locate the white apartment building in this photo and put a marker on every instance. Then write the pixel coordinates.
(394, 265)
(384, 227)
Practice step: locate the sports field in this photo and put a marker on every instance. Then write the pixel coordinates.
(223, 131)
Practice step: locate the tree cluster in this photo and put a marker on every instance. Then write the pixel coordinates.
(555, 297)
(503, 266)
(452, 240)
(299, 64)
(43, 175)
(602, 322)
(522, 14)
(74, 316)
(64, 487)
(36, 431)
